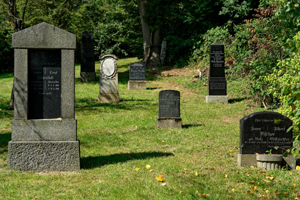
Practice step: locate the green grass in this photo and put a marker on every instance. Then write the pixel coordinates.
(119, 137)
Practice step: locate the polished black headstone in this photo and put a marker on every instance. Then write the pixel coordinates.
(217, 82)
(169, 103)
(262, 131)
(44, 84)
(137, 72)
(87, 53)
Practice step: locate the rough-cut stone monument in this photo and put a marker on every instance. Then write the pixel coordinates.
(87, 58)
(169, 109)
(163, 51)
(260, 132)
(108, 92)
(217, 86)
(137, 80)
(44, 130)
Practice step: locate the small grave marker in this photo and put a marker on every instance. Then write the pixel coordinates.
(87, 58)
(217, 86)
(137, 80)
(169, 109)
(108, 92)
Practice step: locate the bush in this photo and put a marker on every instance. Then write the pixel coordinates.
(6, 52)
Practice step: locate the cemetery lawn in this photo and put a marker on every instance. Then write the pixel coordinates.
(124, 155)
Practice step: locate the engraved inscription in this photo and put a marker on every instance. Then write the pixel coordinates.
(216, 58)
(263, 131)
(44, 84)
(217, 86)
(137, 71)
(169, 103)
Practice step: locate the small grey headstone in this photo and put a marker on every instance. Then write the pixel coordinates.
(108, 92)
(137, 80)
(169, 109)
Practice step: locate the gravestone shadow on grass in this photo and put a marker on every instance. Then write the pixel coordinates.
(98, 161)
(231, 101)
(186, 126)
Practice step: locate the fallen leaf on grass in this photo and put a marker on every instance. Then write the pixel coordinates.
(203, 195)
(262, 195)
(294, 185)
(161, 179)
(151, 170)
(249, 192)
(225, 175)
(285, 193)
(270, 177)
(290, 173)
(247, 173)
(298, 168)
(180, 192)
(230, 151)
(298, 179)
(266, 181)
(252, 181)
(232, 197)
(137, 169)
(163, 184)
(254, 188)
(212, 169)
(148, 166)
(262, 172)
(196, 174)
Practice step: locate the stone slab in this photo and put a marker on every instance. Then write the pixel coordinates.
(87, 76)
(20, 83)
(43, 36)
(164, 122)
(169, 104)
(108, 97)
(137, 85)
(41, 156)
(68, 84)
(216, 99)
(290, 161)
(246, 160)
(44, 130)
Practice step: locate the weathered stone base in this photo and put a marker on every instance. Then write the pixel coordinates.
(216, 99)
(248, 160)
(44, 130)
(108, 97)
(169, 122)
(43, 156)
(87, 76)
(137, 85)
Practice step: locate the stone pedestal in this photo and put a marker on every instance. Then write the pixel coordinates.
(246, 160)
(216, 99)
(108, 97)
(169, 122)
(43, 156)
(87, 76)
(137, 85)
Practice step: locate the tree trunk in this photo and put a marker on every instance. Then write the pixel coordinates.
(151, 40)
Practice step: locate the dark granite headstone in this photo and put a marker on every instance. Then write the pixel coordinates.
(137, 72)
(44, 88)
(169, 103)
(87, 53)
(217, 81)
(262, 131)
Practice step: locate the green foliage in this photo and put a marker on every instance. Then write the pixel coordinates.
(117, 27)
(6, 52)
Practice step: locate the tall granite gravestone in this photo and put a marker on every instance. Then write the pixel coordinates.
(87, 58)
(217, 87)
(163, 51)
(108, 92)
(44, 130)
(137, 80)
(260, 132)
(169, 109)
